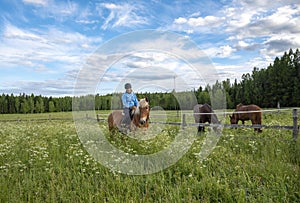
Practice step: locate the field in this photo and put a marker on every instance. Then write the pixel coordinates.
(44, 161)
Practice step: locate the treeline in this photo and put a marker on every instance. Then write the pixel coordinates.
(279, 83)
(33, 104)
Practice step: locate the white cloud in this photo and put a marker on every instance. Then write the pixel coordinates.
(243, 44)
(226, 51)
(223, 51)
(198, 24)
(122, 15)
(180, 20)
(36, 2)
(207, 20)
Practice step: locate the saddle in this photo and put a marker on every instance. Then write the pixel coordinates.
(131, 112)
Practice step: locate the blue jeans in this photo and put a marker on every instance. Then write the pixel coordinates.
(127, 118)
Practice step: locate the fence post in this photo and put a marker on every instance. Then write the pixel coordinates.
(295, 124)
(98, 117)
(183, 121)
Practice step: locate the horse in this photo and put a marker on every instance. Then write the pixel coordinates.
(254, 114)
(204, 113)
(140, 117)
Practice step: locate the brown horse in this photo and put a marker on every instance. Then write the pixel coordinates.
(254, 114)
(204, 113)
(140, 117)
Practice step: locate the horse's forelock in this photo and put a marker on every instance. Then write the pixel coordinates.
(143, 103)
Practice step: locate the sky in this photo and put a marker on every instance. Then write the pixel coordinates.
(49, 47)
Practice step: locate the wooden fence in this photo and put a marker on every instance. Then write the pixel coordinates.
(295, 127)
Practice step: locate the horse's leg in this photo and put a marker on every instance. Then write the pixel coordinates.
(199, 128)
(258, 122)
(254, 122)
(202, 128)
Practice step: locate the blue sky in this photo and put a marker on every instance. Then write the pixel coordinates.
(45, 43)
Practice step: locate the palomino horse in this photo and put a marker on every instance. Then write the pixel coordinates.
(140, 117)
(247, 112)
(204, 113)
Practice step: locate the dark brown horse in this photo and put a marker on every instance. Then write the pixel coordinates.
(204, 113)
(247, 112)
(140, 117)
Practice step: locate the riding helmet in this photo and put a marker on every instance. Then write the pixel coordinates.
(127, 85)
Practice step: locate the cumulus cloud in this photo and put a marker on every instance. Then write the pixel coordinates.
(223, 51)
(197, 24)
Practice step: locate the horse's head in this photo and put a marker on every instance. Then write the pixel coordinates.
(233, 119)
(144, 110)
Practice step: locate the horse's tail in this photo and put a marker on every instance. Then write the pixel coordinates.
(110, 121)
(214, 117)
(196, 111)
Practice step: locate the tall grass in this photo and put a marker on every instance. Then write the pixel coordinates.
(45, 162)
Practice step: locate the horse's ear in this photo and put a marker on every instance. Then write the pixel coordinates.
(230, 116)
(146, 98)
(139, 99)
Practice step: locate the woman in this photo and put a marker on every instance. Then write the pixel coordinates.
(130, 103)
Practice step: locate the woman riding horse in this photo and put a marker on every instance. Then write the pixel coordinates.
(135, 113)
(130, 102)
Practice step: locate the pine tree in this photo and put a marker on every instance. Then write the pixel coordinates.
(51, 106)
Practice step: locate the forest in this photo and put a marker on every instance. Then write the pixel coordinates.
(277, 84)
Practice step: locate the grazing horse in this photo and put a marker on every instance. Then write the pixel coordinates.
(204, 113)
(140, 117)
(252, 112)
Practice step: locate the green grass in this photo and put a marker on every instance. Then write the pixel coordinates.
(45, 162)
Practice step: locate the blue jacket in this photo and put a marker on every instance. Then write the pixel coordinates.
(129, 100)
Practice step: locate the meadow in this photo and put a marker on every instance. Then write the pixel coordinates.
(43, 160)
